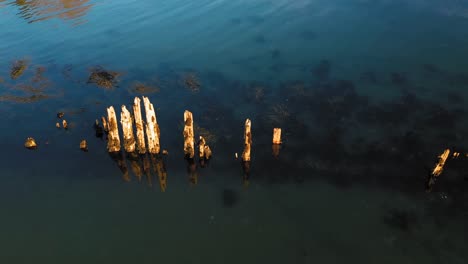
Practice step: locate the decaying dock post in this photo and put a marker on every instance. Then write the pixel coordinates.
(438, 169)
(276, 142)
(104, 124)
(247, 140)
(189, 144)
(113, 143)
(204, 151)
(141, 146)
(152, 128)
(127, 128)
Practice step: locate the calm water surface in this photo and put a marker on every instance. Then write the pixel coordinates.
(368, 94)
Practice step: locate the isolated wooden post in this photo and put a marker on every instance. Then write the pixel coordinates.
(276, 135)
(247, 140)
(139, 126)
(127, 127)
(276, 142)
(113, 143)
(437, 169)
(152, 128)
(189, 144)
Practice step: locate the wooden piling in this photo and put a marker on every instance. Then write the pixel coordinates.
(141, 146)
(201, 147)
(127, 128)
(189, 144)
(276, 135)
(247, 140)
(104, 124)
(152, 128)
(113, 143)
(440, 163)
(437, 171)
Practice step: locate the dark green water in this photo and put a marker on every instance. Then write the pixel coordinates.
(368, 94)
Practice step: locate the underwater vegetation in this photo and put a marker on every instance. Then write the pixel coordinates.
(192, 82)
(142, 88)
(18, 69)
(103, 78)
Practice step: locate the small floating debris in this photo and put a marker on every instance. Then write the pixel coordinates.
(18, 69)
(65, 124)
(84, 145)
(57, 125)
(203, 149)
(60, 114)
(165, 152)
(30, 143)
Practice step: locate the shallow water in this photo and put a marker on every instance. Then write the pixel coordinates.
(368, 94)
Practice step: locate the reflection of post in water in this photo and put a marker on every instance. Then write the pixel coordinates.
(147, 169)
(160, 169)
(192, 171)
(135, 164)
(246, 173)
(118, 158)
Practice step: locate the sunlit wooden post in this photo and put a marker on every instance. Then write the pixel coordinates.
(189, 144)
(152, 128)
(439, 167)
(247, 140)
(113, 143)
(139, 126)
(276, 141)
(104, 124)
(127, 128)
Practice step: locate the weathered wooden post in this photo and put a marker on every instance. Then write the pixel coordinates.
(189, 144)
(247, 140)
(276, 142)
(439, 167)
(113, 143)
(127, 128)
(139, 126)
(104, 124)
(152, 128)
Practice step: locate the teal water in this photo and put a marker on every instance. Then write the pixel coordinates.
(368, 94)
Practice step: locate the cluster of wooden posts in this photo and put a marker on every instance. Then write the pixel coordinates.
(151, 143)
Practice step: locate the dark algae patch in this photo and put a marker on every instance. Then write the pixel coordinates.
(18, 68)
(104, 78)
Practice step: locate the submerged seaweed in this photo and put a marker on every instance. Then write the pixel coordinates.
(18, 69)
(103, 78)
